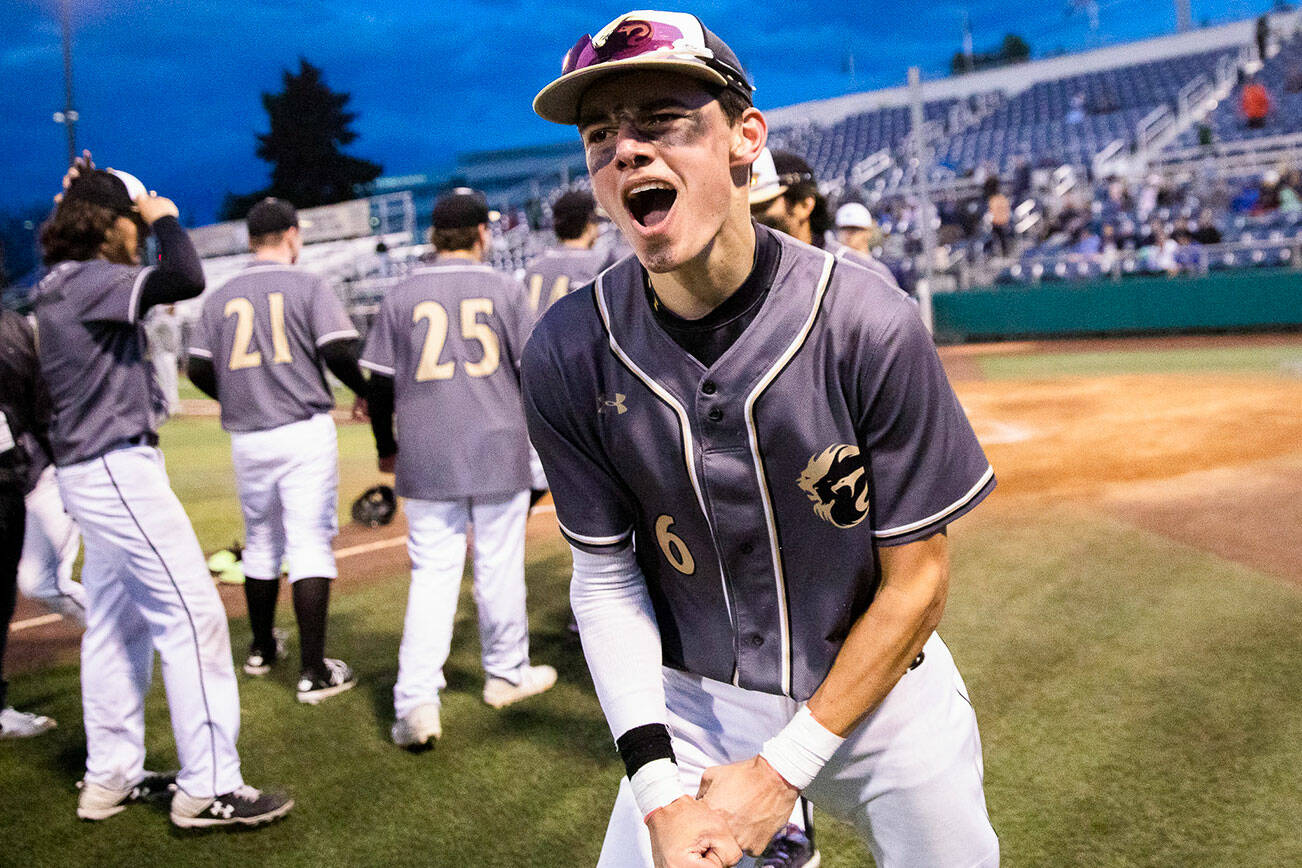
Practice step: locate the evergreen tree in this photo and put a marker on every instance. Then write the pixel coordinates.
(309, 124)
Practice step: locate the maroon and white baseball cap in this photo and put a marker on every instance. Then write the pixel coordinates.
(645, 39)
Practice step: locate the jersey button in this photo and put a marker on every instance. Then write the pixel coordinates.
(757, 640)
(715, 414)
(709, 388)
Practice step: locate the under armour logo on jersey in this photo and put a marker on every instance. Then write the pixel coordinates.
(605, 405)
(836, 480)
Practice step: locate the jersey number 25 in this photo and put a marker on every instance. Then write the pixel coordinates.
(429, 367)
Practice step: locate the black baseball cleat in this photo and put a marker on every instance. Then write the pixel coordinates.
(259, 662)
(97, 802)
(790, 849)
(243, 807)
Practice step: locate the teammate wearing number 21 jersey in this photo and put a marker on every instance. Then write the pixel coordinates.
(259, 347)
(444, 355)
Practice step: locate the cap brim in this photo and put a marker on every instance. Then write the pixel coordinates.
(558, 102)
(767, 193)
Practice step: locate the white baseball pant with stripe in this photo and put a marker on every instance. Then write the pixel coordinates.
(909, 777)
(50, 546)
(148, 589)
(436, 541)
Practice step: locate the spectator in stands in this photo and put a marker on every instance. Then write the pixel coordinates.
(1108, 248)
(1087, 242)
(1267, 193)
(1159, 253)
(1255, 103)
(1076, 113)
(856, 229)
(1206, 232)
(999, 210)
(1263, 36)
(1289, 201)
(1188, 254)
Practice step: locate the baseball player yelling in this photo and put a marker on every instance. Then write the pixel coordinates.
(754, 453)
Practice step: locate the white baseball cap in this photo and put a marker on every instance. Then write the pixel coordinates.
(765, 184)
(853, 215)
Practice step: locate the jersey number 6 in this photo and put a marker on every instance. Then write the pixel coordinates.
(676, 551)
(429, 367)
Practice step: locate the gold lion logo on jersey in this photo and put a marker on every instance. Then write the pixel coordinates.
(836, 480)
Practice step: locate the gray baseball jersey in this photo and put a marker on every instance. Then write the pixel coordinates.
(872, 263)
(450, 335)
(93, 358)
(559, 271)
(757, 491)
(262, 332)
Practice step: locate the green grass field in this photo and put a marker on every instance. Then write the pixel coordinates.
(1206, 360)
(1139, 704)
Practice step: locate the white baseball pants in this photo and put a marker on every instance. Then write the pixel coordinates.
(50, 546)
(148, 588)
(436, 541)
(288, 482)
(909, 777)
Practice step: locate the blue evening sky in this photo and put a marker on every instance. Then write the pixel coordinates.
(170, 90)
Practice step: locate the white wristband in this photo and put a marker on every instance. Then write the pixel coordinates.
(656, 784)
(801, 749)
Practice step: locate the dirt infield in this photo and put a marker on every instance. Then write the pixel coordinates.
(1212, 461)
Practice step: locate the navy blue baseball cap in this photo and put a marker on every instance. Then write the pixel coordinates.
(461, 208)
(271, 215)
(645, 39)
(108, 188)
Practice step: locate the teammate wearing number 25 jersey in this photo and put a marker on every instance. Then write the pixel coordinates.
(259, 347)
(444, 355)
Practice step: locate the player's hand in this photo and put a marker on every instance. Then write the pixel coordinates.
(361, 410)
(388, 463)
(153, 206)
(754, 799)
(685, 833)
(81, 164)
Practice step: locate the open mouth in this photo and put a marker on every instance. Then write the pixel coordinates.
(649, 204)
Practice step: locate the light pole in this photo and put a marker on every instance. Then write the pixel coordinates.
(67, 117)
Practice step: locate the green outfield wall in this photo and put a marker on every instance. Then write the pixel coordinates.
(1253, 299)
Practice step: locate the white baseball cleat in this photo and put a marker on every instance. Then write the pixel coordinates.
(419, 727)
(499, 693)
(97, 802)
(23, 724)
(339, 677)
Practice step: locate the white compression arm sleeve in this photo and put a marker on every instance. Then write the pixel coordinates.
(621, 639)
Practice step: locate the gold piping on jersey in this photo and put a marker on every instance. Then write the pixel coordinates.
(684, 426)
(765, 381)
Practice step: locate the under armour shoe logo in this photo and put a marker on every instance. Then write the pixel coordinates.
(224, 811)
(605, 405)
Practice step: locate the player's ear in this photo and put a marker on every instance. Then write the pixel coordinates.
(749, 135)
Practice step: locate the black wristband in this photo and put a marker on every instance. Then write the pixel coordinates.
(644, 744)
